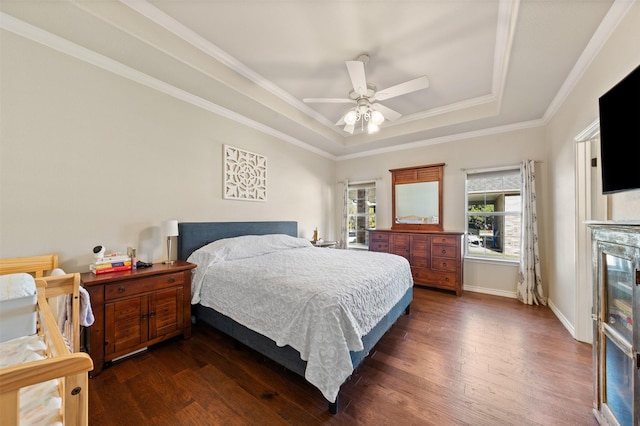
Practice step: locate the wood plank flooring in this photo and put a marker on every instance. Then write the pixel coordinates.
(473, 360)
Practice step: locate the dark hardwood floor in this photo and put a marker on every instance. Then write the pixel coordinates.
(473, 360)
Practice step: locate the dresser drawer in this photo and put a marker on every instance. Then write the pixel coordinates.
(144, 285)
(434, 278)
(441, 250)
(444, 264)
(445, 239)
(379, 237)
(379, 246)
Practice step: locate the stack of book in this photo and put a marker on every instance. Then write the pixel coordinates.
(111, 263)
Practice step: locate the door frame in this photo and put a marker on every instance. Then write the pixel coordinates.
(591, 205)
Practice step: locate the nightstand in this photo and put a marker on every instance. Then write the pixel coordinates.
(138, 308)
(325, 244)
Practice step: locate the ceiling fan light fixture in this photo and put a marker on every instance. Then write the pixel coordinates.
(366, 95)
(350, 118)
(376, 117)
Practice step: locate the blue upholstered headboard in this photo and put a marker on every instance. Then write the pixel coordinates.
(193, 235)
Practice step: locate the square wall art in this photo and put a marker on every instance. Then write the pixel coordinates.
(245, 175)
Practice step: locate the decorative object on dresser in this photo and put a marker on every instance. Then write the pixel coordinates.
(616, 335)
(137, 308)
(435, 257)
(169, 228)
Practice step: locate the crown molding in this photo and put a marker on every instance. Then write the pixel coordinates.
(38, 35)
(445, 139)
(611, 20)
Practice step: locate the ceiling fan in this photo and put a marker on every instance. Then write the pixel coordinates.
(365, 95)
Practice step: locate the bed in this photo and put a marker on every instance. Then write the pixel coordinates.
(43, 376)
(324, 352)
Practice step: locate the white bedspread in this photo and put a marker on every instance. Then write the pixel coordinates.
(319, 301)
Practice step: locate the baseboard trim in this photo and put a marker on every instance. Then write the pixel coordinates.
(492, 291)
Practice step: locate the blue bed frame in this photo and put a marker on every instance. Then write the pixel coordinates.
(193, 235)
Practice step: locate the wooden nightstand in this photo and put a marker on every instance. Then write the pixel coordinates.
(135, 309)
(324, 244)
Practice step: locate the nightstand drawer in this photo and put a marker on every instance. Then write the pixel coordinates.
(134, 287)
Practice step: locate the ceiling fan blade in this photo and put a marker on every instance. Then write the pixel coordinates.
(357, 76)
(402, 88)
(388, 113)
(349, 128)
(328, 100)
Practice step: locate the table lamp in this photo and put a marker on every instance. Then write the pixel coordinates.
(169, 228)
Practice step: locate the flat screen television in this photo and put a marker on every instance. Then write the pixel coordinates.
(620, 135)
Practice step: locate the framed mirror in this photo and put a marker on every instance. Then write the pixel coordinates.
(416, 194)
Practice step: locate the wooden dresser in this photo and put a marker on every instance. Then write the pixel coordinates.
(135, 309)
(435, 257)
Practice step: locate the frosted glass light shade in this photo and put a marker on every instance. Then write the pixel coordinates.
(350, 118)
(377, 118)
(169, 228)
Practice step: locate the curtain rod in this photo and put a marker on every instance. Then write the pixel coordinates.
(497, 168)
(356, 182)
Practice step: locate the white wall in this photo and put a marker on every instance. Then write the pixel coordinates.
(501, 148)
(89, 158)
(616, 59)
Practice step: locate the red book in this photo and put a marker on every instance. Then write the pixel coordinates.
(114, 269)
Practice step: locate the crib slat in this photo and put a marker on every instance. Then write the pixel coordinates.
(9, 406)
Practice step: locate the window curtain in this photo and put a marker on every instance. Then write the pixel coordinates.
(529, 289)
(344, 225)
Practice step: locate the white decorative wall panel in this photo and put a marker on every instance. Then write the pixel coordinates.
(245, 175)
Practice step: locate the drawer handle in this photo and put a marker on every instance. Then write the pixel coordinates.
(444, 252)
(121, 289)
(447, 279)
(172, 279)
(444, 264)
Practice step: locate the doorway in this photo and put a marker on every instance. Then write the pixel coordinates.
(590, 206)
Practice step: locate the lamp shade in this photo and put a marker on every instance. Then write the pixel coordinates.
(377, 118)
(169, 228)
(350, 118)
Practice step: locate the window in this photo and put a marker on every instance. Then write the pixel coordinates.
(494, 214)
(361, 212)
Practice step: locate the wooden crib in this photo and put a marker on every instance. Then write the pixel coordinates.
(63, 361)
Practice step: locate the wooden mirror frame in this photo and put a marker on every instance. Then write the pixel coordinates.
(417, 174)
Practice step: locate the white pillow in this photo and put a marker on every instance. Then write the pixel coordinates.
(15, 286)
(234, 248)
